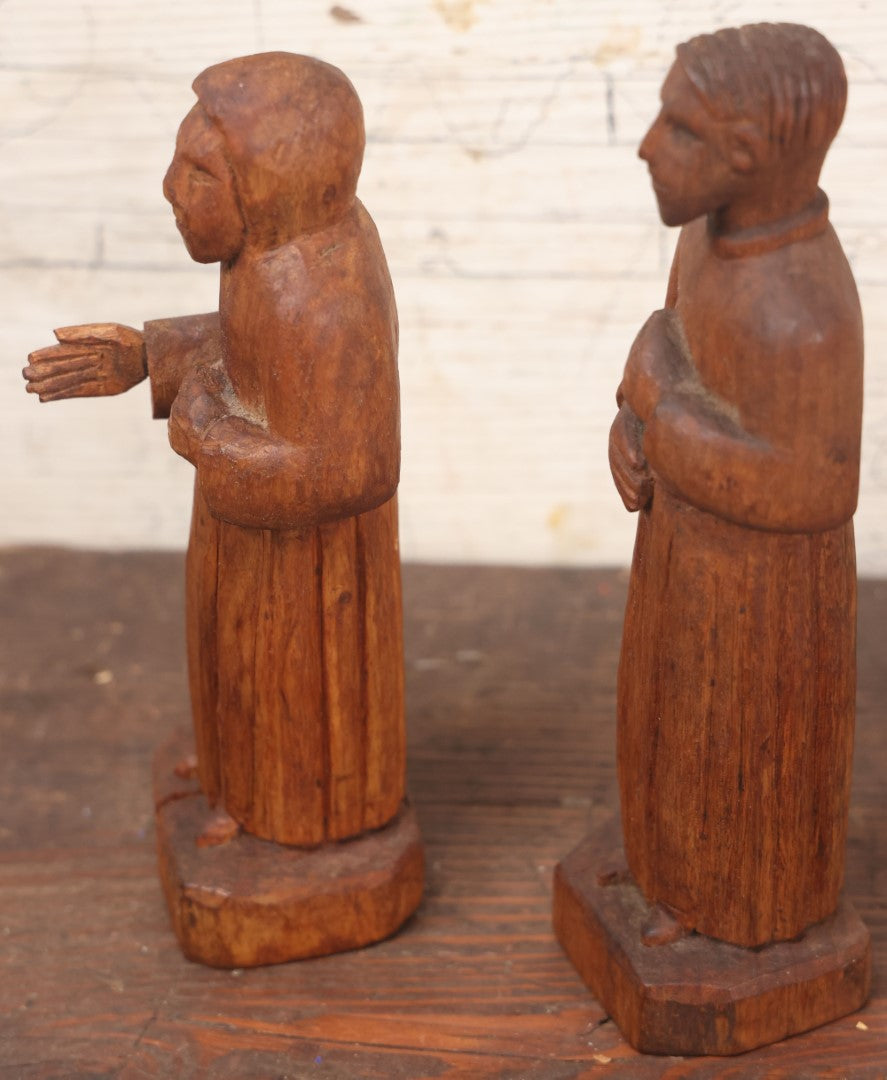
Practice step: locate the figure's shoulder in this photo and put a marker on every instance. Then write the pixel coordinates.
(308, 266)
(347, 249)
(337, 273)
(805, 295)
(354, 240)
(270, 269)
(799, 297)
(363, 223)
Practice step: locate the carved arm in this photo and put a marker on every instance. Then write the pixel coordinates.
(801, 478)
(254, 478)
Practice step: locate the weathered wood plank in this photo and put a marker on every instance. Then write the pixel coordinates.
(500, 664)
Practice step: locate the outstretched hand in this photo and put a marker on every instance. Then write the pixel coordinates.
(94, 360)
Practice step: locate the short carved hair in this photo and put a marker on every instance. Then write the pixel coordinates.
(787, 79)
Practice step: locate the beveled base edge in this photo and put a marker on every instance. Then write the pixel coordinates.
(249, 902)
(698, 995)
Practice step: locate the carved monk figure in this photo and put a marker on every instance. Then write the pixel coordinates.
(737, 439)
(286, 402)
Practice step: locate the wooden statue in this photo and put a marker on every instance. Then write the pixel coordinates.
(288, 834)
(717, 925)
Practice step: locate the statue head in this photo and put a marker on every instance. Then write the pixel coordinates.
(747, 114)
(272, 149)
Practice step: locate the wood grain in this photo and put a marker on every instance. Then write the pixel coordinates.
(511, 680)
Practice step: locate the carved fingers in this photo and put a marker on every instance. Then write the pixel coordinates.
(58, 372)
(629, 467)
(199, 405)
(94, 360)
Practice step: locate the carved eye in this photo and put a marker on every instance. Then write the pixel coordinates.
(683, 132)
(199, 175)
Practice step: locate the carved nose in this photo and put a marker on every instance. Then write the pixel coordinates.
(168, 185)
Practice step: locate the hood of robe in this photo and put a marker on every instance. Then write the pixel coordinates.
(294, 136)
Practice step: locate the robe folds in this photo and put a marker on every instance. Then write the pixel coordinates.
(736, 688)
(727, 666)
(291, 639)
(294, 643)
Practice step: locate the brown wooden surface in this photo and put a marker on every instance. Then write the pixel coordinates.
(511, 711)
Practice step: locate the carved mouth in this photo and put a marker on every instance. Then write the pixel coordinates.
(658, 186)
(180, 222)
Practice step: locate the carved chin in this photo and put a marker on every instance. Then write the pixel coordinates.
(673, 213)
(202, 256)
(199, 248)
(670, 216)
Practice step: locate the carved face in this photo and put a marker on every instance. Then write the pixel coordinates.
(200, 187)
(693, 161)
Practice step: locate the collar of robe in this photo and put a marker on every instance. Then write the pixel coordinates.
(758, 240)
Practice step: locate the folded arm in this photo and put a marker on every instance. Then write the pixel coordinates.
(803, 478)
(255, 478)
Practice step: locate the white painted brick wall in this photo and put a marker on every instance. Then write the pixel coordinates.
(519, 226)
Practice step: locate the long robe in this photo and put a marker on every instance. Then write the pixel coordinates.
(736, 688)
(295, 630)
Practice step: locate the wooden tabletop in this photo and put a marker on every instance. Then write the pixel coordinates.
(510, 680)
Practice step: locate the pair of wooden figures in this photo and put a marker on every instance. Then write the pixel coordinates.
(711, 920)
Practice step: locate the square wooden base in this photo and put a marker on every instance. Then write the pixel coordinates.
(698, 995)
(247, 901)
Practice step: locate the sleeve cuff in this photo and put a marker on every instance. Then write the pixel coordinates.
(173, 347)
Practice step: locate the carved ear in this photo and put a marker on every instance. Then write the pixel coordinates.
(747, 147)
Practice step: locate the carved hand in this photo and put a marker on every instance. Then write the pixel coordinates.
(198, 405)
(628, 465)
(94, 360)
(656, 363)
